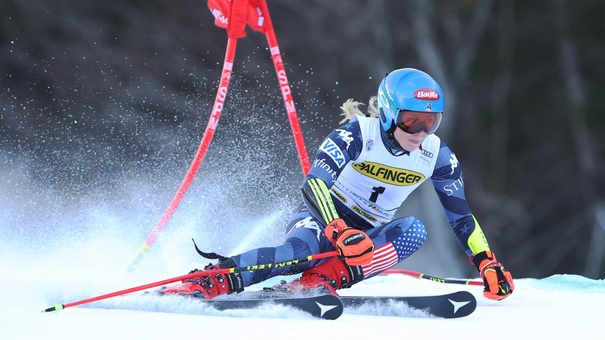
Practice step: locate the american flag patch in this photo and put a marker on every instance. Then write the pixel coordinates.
(384, 258)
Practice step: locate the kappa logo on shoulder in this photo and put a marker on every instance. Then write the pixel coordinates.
(453, 163)
(346, 136)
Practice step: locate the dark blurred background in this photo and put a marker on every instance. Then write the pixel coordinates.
(96, 93)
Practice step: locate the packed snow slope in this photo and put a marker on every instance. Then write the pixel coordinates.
(560, 306)
(59, 246)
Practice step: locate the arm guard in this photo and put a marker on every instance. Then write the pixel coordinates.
(477, 242)
(319, 201)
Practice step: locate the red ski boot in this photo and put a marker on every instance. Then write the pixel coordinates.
(329, 276)
(209, 286)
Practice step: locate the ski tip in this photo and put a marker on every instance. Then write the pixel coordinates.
(55, 308)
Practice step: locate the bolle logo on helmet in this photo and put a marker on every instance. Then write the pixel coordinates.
(426, 94)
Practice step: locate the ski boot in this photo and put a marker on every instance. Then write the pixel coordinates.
(209, 286)
(327, 277)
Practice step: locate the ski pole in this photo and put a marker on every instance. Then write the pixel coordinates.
(60, 307)
(433, 278)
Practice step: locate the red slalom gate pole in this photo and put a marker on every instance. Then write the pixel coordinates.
(59, 307)
(233, 15)
(259, 19)
(288, 101)
(433, 278)
(199, 156)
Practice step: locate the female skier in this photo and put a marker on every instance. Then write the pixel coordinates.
(362, 173)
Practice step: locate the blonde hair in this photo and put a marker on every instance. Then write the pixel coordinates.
(351, 107)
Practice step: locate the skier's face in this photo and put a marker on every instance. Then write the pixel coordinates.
(409, 141)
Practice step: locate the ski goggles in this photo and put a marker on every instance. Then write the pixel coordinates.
(414, 122)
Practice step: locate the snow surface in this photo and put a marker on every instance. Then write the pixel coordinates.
(57, 249)
(560, 306)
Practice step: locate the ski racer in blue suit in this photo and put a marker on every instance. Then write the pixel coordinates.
(362, 173)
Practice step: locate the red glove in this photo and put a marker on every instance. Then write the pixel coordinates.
(498, 282)
(354, 245)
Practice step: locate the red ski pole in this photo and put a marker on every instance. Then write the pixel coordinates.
(60, 307)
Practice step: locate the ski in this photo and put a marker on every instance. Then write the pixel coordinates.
(454, 305)
(326, 306)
